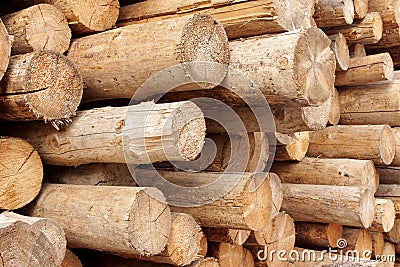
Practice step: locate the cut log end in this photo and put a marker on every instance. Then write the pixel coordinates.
(63, 83)
(316, 64)
(341, 49)
(384, 215)
(360, 8)
(5, 49)
(387, 145)
(367, 208)
(377, 26)
(348, 11)
(334, 233)
(294, 14)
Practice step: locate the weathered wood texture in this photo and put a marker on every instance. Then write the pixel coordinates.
(357, 50)
(21, 173)
(389, 11)
(229, 255)
(334, 114)
(123, 220)
(358, 240)
(318, 235)
(40, 27)
(341, 49)
(71, 260)
(329, 13)
(378, 242)
(389, 175)
(369, 142)
(293, 149)
(5, 49)
(360, 8)
(113, 64)
(231, 236)
(384, 215)
(396, 160)
(41, 85)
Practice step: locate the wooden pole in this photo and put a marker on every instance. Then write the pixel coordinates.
(71, 260)
(358, 240)
(348, 205)
(40, 85)
(340, 48)
(40, 27)
(5, 49)
(374, 142)
(21, 174)
(294, 149)
(172, 131)
(318, 235)
(230, 255)
(121, 65)
(329, 13)
(231, 236)
(128, 221)
(384, 215)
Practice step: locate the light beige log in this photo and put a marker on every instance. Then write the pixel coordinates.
(341, 49)
(375, 142)
(5, 49)
(389, 11)
(339, 172)
(294, 149)
(384, 215)
(224, 235)
(358, 240)
(153, 132)
(360, 8)
(239, 18)
(229, 255)
(40, 85)
(329, 13)
(24, 245)
(40, 27)
(388, 255)
(389, 175)
(21, 173)
(123, 220)
(378, 242)
(396, 160)
(114, 64)
(358, 50)
(390, 38)
(318, 235)
(71, 260)
(334, 114)
(348, 205)
(378, 66)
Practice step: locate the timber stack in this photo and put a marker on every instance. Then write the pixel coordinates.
(200, 133)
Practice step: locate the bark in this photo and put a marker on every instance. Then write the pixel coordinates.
(340, 48)
(230, 236)
(329, 13)
(294, 149)
(396, 160)
(318, 234)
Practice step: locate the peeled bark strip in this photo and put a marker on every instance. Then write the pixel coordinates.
(359, 240)
(329, 13)
(40, 27)
(334, 114)
(239, 18)
(374, 142)
(24, 245)
(389, 175)
(173, 131)
(121, 65)
(378, 242)
(230, 255)
(379, 68)
(40, 85)
(339, 46)
(302, 70)
(384, 215)
(52, 231)
(318, 235)
(348, 205)
(21, 174)
(5, 49)
(360, 8)
(71, 260)
(389, 11)
(294, 149)
(128, 221)
(230, 236)
(367, 31)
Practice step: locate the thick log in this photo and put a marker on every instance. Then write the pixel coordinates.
(339, 172)
(389, 175)
(389, 11)
(294, 149)
(40, 85)
(379, 68)
(348, 205)
(329, 13)
(384, 215)
(340, 48)
(239, 18)
(5, 49)
(230, 236)
(318, 235)
(21, 174)
(229, 255)
(357, 50)
(40, 27)
(334, 113)
(358, 240)
(173, 131)
(360, 8)
(123, 220)
(24, 245)
(121, 65)
(366, 31)
(374, 142)
(71, 260)
(378, 242)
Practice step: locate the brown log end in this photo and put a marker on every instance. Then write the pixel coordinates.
(334, 233)
(21, 174)
(231, 236)
(387, 145)
(233, 255)
(388, 255)
(294, 14)
(384, 215)
(295, 150)
(71, 260)
(5, 49)
(364, 242)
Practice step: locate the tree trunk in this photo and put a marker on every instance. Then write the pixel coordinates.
(340, 48)
(239, 18)
(40, 27)
(358, 240)
(348, 205)
(329, 13)
(389, 11)
(21, 173)
(379, 68)
(230, 236)
(360, 8)
(114, 64)
(5, 49)
(129, 221)
(230, 255)
(339, 172)
(174, 131)
(40, 85)
(378, 242)
(374, 142)
(389, 175)
(384, 215)
(294, 149)
(71, 260)
(318, 235)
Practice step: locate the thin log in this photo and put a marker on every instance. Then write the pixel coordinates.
(388, 255)
(318, 235)
(329, 13)
(358, 240)
(384, 215)
(5, 49)
(389, 175)
(230, 236)
(294, 149)
(334, 114)
(40, 27)
(230, 255)
(340, 48)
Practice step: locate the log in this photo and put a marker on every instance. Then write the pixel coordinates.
(388, 255)
(318, 234)
(5, 50)
(390, 38)
(389, 11)
(71, 260)
(374, 142)
(294, 149)
(396, 160)
(338, 172)
(21, 174)
(394, 234)
(378, 242)
(123, 220)
(389, 175)
(348, 205)
(366, 31)
(358, 50)
(41, 85)
(340, 48)
(230, 236)
(229, 255)
(40, 27)
(205, 262)
(358, 240)
(122, 66)
(83, 16)
(360, 8)
(379, 68)
(24, 245)
(329, 13)
(334, 113)
(389, 190)
(384, 215)
(174, 131)
(239, 18)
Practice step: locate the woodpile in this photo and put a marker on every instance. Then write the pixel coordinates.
(200, 133)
